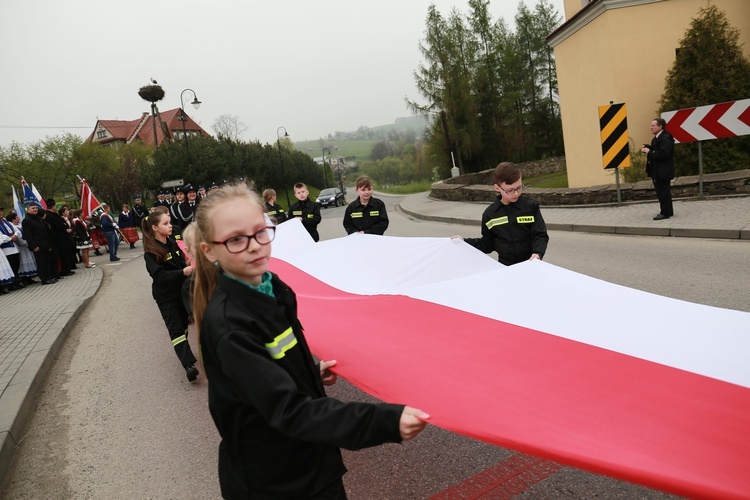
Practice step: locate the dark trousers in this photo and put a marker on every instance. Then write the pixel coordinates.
(112, 243)
(176, 319)
(664, 193)
(44, 264)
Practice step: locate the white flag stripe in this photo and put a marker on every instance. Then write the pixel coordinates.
(701, 339)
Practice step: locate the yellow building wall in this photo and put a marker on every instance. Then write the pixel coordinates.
(623, 55)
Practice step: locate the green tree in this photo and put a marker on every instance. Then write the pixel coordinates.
(710, 68)
(497, 88)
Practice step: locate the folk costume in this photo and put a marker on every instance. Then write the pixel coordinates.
(514, 231)
(27, 268)
(309, 211)
(280, 433)
(8, 247)
(166, 289)
(81, 232)
(370, 219)
(126, 221)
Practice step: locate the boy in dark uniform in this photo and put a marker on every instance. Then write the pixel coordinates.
(140, 211)
(365, 214)
(513, 225)
(306, 210)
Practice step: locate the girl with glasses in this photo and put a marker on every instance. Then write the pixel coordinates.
(280, 432)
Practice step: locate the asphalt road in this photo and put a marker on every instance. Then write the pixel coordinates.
(117, 419)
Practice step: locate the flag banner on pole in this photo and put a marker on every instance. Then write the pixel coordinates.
(31, 195)
(17, 205)
(549, 367)
(39, 197)
(89, 204)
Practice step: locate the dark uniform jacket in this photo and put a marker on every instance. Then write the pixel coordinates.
(660, 157)
(310, 213)
(514, 231)
(370, 219)
(167, 276)
(275, 212)
(37, 233)
(140, 212)
(280, 433)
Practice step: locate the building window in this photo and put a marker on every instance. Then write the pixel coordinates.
(101, 134)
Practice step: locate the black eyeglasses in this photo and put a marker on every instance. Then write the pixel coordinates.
(511, 192)
(239, 243)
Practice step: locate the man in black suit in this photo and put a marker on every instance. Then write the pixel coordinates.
(660, 166)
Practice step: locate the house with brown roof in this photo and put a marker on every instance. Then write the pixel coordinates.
(170, 125)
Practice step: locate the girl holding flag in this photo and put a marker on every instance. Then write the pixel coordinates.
(280, 432)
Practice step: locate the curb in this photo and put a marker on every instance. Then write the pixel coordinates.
(17, 400)
(677, 232)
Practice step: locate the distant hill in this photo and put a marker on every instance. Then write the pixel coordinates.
(356, 145)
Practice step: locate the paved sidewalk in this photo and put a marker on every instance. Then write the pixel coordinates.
(710, 218)
(34, 323)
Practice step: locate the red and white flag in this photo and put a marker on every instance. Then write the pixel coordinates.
(89, 204)
(550, 366)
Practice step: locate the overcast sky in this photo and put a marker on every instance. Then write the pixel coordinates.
(311, 66)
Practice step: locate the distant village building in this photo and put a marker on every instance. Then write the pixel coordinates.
(620, 51)
(169, 126)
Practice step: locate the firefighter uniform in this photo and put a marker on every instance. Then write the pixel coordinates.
(275, 212)
(370, 219)
(514, 231)
(166, 289)
(309, 211)
(280, 433)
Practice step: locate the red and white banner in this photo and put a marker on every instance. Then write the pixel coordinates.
(533, 357)
(717, 121)
(89, 204)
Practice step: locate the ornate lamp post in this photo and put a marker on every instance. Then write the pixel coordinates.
(281, 163)
(183, 117)
(325, 172)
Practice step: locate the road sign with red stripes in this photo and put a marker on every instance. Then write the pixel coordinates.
(716, 121)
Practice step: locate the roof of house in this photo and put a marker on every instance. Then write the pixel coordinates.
(167, 123)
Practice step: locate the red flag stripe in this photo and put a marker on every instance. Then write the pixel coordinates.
(533, 392)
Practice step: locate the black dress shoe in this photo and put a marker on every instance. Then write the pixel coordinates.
(3, 291)
(69, 273)
(49, 282)
(661, 217)
(191, 372)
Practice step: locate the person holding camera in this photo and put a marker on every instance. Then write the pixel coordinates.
(660, 166)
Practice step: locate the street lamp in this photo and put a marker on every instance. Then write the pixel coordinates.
(183, 118)
(325, 172)
(281, 163)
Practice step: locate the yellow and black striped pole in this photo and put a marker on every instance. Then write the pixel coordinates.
(613, 123)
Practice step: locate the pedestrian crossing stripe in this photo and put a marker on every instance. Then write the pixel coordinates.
(613, 124)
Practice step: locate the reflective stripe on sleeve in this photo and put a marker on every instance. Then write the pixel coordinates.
(496, 222)
(179, 340)
(357, 215)
(281, 344)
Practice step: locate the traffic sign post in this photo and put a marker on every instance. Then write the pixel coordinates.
(613, 126)
(715, 121)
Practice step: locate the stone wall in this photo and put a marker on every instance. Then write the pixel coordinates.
(478, 187)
